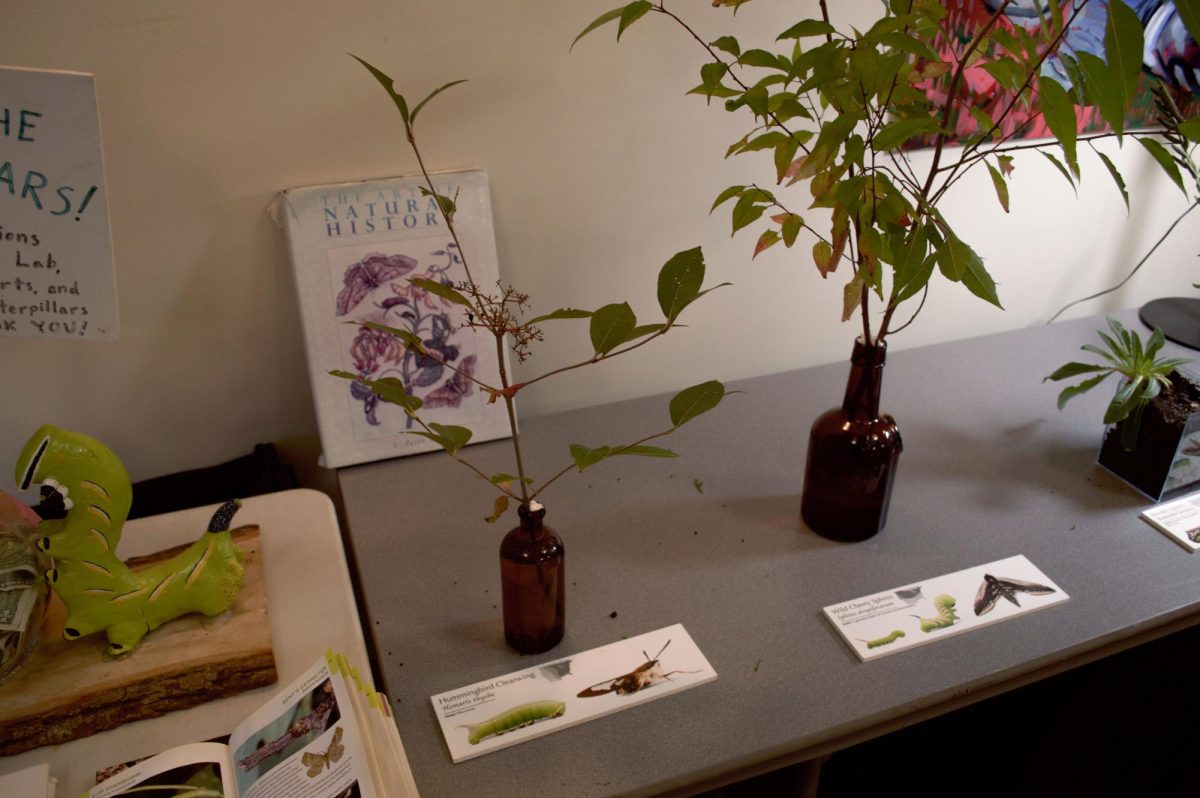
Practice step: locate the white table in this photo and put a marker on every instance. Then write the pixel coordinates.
(311, 608)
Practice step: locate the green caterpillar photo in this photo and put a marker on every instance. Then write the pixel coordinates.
(883, 641)
(946, 616)
(515, 718)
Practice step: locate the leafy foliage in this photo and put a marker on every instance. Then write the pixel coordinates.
(837, 108)
(613, 329)
(1143, 375)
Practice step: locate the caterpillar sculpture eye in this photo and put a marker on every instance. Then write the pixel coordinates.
(87, 481)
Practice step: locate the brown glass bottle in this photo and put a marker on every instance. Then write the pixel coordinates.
(532, 583)
(852, 456)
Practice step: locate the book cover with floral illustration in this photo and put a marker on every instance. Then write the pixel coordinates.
(355, 247)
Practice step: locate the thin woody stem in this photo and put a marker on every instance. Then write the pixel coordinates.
(864, 300)
(920, 305)
(472, 286)
(1139, 265)
(455, 457)
(512, 418)
(423, 352)
(1033, 71)
(1002, 150)
(598, 358)
(955, 80)
(615, 451)
(825, 16)
(970, 150)
(661, 8)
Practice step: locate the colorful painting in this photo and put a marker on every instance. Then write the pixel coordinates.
(1171, 55)
(375, 288)
(357, 249)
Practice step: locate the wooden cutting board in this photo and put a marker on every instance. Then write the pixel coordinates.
(69, 689)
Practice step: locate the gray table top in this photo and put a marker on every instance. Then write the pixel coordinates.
(990, 469)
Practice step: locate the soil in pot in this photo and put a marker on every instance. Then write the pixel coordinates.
(1166, 458)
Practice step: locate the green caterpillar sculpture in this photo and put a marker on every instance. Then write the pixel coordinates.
(101, 592)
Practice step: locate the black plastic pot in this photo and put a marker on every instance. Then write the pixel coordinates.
(1164, 462)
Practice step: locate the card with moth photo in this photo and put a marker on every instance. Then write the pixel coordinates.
(554, 696)
(934, 609)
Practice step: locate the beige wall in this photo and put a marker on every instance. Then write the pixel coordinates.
(601, 169)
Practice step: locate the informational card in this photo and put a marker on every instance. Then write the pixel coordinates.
(497, 713)
(1179, 520)
(934, 609)
(56, 264)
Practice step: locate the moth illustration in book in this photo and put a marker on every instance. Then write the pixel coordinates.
(647, 674)
(993, 589)
(315, 761)
(376, 289)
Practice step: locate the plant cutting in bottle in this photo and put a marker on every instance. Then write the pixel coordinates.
(840, 107)
(614, 330)
(1143, 376)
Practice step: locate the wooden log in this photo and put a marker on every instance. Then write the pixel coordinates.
(70, 689)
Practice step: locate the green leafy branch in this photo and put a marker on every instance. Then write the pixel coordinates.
(613, 330)
(1176, 159)
(863, 92)
(1143, 375)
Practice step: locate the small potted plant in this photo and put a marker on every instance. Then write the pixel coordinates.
(840, 108)
(532, 555)
(1153, 436)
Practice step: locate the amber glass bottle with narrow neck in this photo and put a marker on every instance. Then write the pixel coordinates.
(852, 456)
(532, 583)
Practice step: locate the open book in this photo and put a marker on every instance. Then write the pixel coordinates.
(328, 735)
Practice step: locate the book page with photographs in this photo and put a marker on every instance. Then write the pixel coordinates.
(304, 742)
(202, 770)
(935, 609)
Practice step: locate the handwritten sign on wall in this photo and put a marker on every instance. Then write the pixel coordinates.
(56, 265)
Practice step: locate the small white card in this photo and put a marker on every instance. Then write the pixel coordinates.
(1179, 520)
(925, 612)
(496, 713)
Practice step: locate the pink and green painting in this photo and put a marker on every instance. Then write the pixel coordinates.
(1170, 55)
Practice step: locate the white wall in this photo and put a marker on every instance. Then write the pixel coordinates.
(601, 169)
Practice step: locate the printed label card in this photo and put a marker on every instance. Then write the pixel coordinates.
(925, 612)
(520, 706)
(1179, 520)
